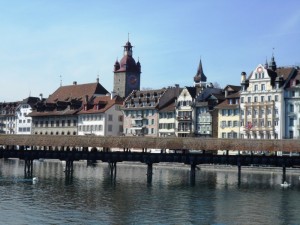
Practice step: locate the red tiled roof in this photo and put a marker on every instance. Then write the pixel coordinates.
(105, 103)
(76, 91)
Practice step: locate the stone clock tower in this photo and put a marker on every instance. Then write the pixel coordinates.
(127, 73)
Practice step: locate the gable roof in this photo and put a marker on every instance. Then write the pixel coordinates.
(76, 91)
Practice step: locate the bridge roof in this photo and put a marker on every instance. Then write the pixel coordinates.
(289, 145)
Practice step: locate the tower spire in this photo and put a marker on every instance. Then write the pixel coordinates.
(200, 76)
(272, 64)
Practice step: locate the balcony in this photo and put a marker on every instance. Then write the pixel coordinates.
(138, 117)
(259, 129)
(182, 118)
(183, 130)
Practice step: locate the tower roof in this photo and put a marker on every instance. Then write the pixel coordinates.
(127, 63)
(200, 77)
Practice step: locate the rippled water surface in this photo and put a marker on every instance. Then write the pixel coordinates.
(90, 196)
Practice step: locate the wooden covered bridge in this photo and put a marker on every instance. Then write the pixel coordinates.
(92, 148)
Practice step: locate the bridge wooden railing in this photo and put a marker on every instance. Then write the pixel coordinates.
(213, 144)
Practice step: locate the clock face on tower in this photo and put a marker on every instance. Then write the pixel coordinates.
(133, 80)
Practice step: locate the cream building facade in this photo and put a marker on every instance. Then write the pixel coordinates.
(262, 102)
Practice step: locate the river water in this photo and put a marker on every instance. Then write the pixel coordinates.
(90, 196)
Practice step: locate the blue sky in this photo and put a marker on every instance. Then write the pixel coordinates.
(79, 39)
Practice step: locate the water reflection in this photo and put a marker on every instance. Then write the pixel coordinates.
(91, 196)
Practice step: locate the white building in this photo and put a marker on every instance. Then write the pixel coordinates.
(185, 112)
(292, 106)
(262, 102)
(8, 117)
(101, 116)
(23, 121)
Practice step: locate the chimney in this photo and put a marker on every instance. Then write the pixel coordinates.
(41, 96)
(86, 98)
(74, 82)
(113, 94)
(226, 93)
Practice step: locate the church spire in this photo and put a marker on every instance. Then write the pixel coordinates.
(200, 77)
(272, 64)
(266, 64)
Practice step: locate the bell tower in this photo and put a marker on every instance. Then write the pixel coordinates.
(127, 73)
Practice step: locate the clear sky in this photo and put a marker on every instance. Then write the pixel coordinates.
(41, 40)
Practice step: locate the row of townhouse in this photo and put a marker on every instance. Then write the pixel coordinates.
(85, 109)
(266, 105)
(14, 116)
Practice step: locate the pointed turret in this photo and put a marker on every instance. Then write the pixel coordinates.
(272, 64)
(266, 64)
(116, 66)
(200, 77)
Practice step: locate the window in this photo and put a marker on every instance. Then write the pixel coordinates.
(223, 124)
(63, 123)
(229, 123)
(255, 99)
(69, 123)
(255, 112)
(235, 123)
(291, 134)
(255, 87)
(269, 123)
(223, 112)
(109, 128)
(262, 98)
(249, 99)
(291, 108)
(291, 122)
(242, 99)
(110, 117)
(276, 98)
(52, 123)
(223, 135)
(120, 118)
(263, 87)
(269, 98)
(57, 123)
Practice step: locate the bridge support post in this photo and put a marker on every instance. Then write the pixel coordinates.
(239, 173)
(69, 166)
(193, 173)
(113, 169)
(28, 167)
(149, 172)
(283, 173)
